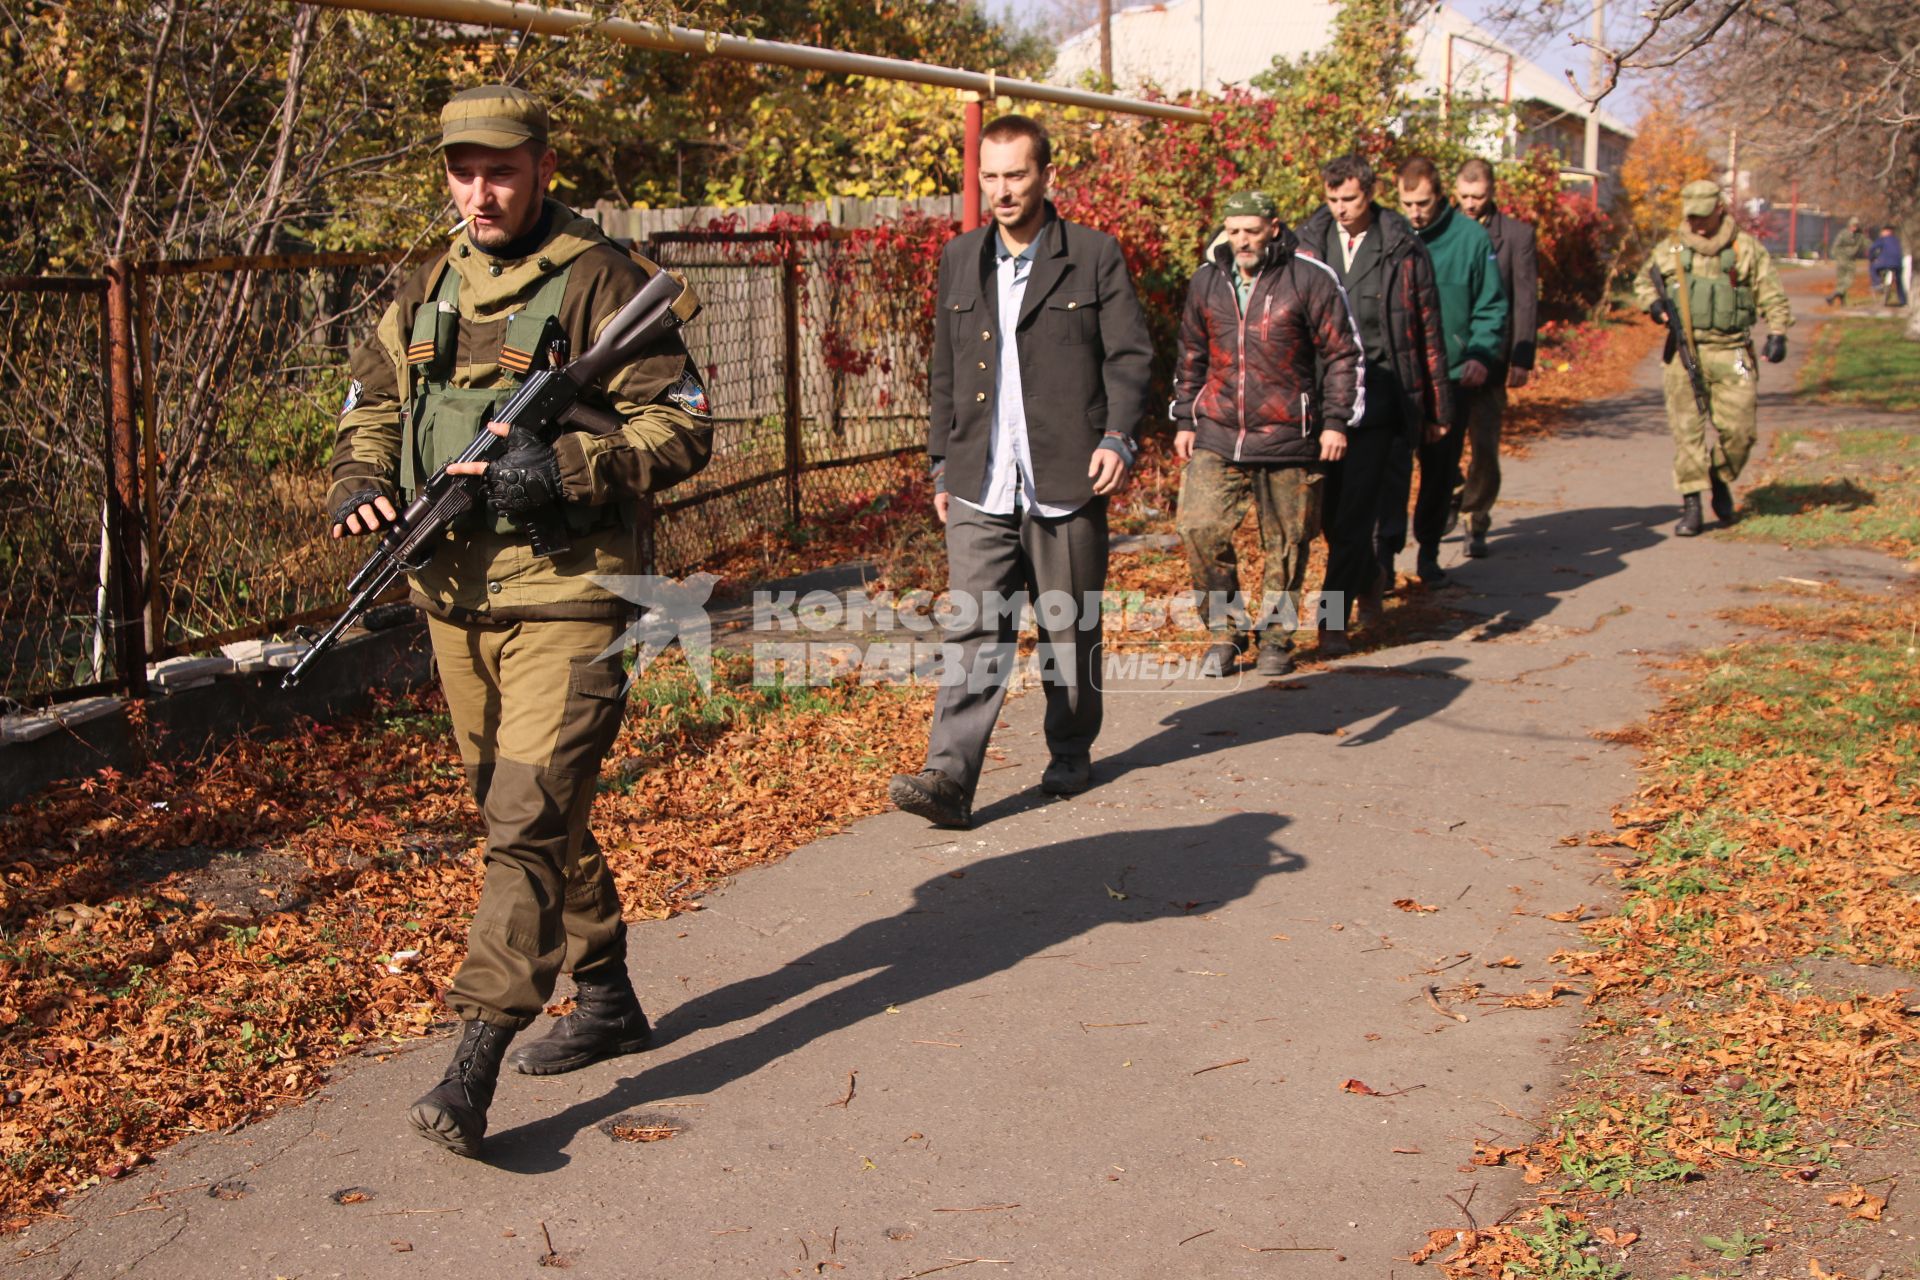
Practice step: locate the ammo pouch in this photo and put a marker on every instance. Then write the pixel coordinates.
(442, 419)
(1717, 299)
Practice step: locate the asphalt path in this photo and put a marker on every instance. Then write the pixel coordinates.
(1105, 1036)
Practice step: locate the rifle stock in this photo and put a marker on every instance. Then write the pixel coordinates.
(546, 400)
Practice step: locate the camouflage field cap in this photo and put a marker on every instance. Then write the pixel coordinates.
(497, 115)
(1700, 197)
(1249, 204)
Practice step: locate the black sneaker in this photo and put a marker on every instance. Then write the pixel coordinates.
(1067, 775)
(1275, 660)
(932, 795)
(1431, 574)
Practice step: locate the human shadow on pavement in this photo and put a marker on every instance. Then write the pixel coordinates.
(1536, 561)
(1320, 709)
(961, 928)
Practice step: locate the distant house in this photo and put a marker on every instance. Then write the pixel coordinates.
(1186, 45)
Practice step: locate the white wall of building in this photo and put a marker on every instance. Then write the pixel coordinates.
(1187, 45)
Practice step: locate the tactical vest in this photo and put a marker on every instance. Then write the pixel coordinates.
(443, 419)
(1717, 299)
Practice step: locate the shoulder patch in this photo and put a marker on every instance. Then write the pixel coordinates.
(690, 395)
(353, 398)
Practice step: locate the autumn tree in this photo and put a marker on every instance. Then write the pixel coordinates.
(714, 132)
(1667, 153)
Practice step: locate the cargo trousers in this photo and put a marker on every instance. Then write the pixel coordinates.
(535, 705)
(1214, 496)
(1733, 392)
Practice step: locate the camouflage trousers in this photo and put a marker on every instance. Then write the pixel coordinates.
(1844, 272)
(1214, 497)
(1733, 391)
(535, 709)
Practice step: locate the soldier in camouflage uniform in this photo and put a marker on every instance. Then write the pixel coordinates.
(1847, 249)
(1720, 281)
(529, 649)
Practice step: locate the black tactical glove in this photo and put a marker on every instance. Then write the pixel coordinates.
(1776, 348)
(349, 504)
(1660, 311)
(525, 479)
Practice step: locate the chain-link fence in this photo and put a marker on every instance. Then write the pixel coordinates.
(817, 370)
(55, 629)
(243, 374)
(811, 347)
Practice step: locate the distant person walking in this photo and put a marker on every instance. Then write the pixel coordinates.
(1846, 250)
(1473, 321)
(1721, 282)
(1267, 379)
(1389, 281)
(1887, 262)
(1515, 250)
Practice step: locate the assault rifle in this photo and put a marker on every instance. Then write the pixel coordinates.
(1680, 343)
(548, 399)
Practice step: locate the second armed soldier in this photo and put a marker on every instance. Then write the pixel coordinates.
(1720, 282)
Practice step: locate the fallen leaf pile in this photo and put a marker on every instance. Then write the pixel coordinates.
(189, 947)
(1777, 825)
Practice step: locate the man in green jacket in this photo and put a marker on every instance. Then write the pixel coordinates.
(1847, 249)
(1473, 319)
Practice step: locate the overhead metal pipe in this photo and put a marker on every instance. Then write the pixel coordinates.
(512, 16)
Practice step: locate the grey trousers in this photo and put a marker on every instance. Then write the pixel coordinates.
(991, 559)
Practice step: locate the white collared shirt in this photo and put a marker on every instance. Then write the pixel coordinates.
(1350, 246)
(1009, 486)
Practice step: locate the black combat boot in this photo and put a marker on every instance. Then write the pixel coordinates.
(1690, 518)
(1722, 500)
(1222, 656)
(454, 1114)
(606, 1022)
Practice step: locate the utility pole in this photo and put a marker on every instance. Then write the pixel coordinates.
(1106, 44)
(1733, 167)
(1598, 73)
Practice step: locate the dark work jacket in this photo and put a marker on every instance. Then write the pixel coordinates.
(1246, 385)
(1409, 306)
(1084, 351)
(1885, 254)
(1514, 246)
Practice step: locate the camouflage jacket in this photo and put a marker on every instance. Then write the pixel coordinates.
(1752, 285)
(666, 433)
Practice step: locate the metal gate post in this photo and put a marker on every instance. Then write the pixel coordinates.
(126, 518)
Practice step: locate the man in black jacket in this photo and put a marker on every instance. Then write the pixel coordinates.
(1038, 383)
(1252, 425)
(1486, 406)
(1389, 282)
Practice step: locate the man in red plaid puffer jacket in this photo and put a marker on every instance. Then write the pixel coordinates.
(1270, 373)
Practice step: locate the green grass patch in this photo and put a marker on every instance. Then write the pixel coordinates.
(1865, 362)
(1563, 1249)
(1838, 487)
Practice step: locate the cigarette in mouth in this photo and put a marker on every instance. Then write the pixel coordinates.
(458, 227)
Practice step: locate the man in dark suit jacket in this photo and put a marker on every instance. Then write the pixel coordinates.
(1038, 384)
(1485, 407)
